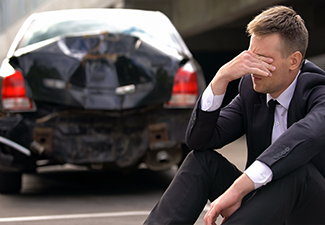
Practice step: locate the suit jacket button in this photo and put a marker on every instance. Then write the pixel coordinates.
(193, 119)
(194, 115)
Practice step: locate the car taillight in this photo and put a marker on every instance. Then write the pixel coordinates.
(14, 93)
(185, 89)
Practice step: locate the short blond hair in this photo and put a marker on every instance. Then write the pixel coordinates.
(287, 23)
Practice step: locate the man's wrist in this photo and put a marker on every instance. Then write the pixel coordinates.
(219, 85)
(243, 185)
(209, 101)
(259, 173)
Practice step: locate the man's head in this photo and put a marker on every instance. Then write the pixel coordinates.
(278, 33)
(285, 22)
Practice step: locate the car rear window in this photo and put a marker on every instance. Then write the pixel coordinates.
(156, 31)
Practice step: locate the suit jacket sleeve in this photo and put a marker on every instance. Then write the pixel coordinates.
(213, 130)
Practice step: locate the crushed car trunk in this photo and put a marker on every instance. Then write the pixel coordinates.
(104, 71)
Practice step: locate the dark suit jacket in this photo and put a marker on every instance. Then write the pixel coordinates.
(303, 141)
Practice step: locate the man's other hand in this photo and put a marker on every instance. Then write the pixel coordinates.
(230, 201)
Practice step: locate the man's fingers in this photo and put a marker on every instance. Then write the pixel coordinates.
(261, 72)
(260, 67)
(269, 68)
(267, 63)
(264, 58)
(210, 217)
(259, 64)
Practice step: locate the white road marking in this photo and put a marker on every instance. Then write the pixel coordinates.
(73, 216)
(78, 216)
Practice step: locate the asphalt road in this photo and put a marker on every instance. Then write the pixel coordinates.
(71, 195)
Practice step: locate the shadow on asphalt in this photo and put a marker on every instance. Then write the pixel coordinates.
(81, 182)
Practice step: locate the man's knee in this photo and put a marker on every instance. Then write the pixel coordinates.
(297, 181)
(311, 173)
(205, 158)
(306, 172)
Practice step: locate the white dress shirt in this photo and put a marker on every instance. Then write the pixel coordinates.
(258, 172)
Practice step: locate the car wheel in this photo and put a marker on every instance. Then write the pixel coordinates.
(10, 182)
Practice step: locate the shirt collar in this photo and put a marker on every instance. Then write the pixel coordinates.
(285, 97)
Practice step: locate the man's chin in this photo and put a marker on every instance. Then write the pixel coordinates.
(259, 90)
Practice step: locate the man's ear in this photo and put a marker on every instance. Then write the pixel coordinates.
(295, 60)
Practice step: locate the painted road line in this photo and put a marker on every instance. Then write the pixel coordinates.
(73, 216)
(78, 216)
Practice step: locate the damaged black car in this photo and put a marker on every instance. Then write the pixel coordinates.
(108, 89)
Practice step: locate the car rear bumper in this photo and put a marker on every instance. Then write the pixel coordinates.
(103, 139)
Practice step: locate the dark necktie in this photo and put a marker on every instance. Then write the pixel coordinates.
(270, 117)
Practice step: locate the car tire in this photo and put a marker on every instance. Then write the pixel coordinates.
(10, 182)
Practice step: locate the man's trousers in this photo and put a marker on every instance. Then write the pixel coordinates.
(297, 198)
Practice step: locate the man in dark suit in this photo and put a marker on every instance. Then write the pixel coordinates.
(281, 109)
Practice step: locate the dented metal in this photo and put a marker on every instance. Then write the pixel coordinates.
(103, 75)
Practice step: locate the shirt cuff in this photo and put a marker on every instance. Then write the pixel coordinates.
(209, 101)
(259, 173)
